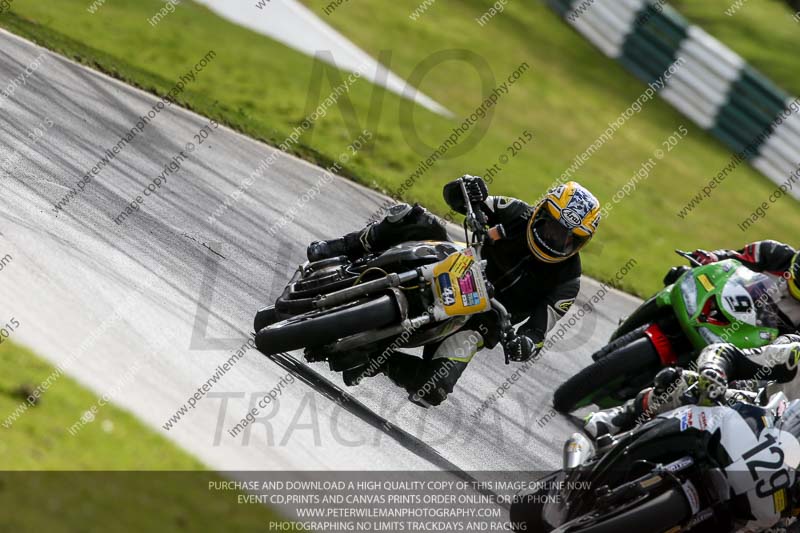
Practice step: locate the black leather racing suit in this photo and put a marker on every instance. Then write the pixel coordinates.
(536, 294)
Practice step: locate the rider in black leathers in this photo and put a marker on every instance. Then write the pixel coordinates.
(535, 271)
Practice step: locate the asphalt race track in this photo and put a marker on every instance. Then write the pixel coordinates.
(146, 310)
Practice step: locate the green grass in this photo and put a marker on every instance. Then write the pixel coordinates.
(51, 500)
(566, 98)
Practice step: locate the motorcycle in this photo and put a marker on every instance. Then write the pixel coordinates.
(347, 311)
(693, 469)
(707, 304)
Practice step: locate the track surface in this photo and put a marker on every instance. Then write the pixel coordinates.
(130, 292)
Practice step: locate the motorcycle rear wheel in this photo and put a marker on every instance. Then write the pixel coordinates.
(601, 377)
(318, 328)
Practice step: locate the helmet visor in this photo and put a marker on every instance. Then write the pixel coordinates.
(794, 277)
(553, 237)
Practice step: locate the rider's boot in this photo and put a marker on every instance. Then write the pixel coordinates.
(610, 421)
(352, 245)
(377, 364)
(577, 451)
(401, 223)
(356, 375)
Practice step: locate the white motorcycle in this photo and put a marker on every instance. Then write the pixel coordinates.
(730, 467)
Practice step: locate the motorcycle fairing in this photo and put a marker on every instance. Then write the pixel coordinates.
(726, 300)
(761, 456)
(718, 436)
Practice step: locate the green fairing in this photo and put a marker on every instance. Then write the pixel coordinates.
(719, 302)
(743, 298)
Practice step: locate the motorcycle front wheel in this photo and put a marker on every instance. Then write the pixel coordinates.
(318, 328)
(602, 378)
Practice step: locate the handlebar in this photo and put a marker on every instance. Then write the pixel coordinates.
(689, 257)
(475, 218)
(506, 328)
(476, 221)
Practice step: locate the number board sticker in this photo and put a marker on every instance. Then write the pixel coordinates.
(737, 301)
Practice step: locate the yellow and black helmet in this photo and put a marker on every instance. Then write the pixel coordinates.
(794, 277)
(563, 222)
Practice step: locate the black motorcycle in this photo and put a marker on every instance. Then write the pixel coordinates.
(345, 311)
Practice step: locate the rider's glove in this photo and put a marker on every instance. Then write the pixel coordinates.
(712, 382)
(667, 393)
(704, 258)
(476, 188)
(669, 380)
(521, 348)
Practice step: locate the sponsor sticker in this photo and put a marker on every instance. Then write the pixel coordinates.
(705, 282)
(469, 290)
(679, 465)
(779, 499)
(686, 420)
(461, 265)
(572, 218)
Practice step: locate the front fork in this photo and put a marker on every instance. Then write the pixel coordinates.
(506, 328)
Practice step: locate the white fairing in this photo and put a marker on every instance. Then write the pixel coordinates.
(762, 464)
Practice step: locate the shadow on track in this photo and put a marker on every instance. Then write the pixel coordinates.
(336, 394)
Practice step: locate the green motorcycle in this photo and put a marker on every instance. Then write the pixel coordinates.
(706, 304)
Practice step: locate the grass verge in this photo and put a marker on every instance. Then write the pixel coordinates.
(40, 463)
